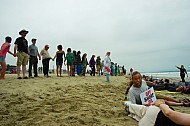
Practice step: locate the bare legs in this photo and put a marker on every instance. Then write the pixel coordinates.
(18, 71)
(23, 71)
(69, 69)
(173, 103)
(59, 71)
(3, 71)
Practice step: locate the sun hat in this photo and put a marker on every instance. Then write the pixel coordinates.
(23, 31)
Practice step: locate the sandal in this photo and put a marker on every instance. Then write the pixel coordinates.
(19, 78)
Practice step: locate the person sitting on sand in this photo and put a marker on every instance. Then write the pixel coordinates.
(138, 86)
(159, 114)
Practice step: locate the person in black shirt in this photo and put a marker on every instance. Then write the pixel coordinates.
(59, 59)
(182, 73)
(21, 46)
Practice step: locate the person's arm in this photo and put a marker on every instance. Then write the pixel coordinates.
(42, 52)
(39, 56)
(177, 67)
(65, 60)
(15, 49)
(11, 53)
(177, 117)
(64, 54)
(55, 56)
(28, 53)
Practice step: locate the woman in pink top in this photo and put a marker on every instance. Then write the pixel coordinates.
(3, 51)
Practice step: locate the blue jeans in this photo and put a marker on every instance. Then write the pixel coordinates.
(107, 77)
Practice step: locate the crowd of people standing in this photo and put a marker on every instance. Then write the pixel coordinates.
(76, 64)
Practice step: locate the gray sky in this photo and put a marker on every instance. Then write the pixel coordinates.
(148, 35)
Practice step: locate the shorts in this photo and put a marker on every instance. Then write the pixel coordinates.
(2, 59)
(69, 63)
(22, 58)
(98, 67)
(59, 63)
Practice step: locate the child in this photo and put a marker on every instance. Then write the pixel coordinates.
(69, 57)
(59, 59)
(107, 65)
(4, 49)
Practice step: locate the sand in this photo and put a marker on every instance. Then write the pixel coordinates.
(60, 101)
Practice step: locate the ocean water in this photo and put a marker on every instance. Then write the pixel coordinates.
(164, 74)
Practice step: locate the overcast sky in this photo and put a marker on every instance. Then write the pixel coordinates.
(148, 35)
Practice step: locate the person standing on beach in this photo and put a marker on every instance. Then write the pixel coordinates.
(116, 69)
(107, 65)
(59, 59)
(182, 72)
(98, 65)
(84, 64)
(23, 52)
(3, 52)
(45, 60)
(33, 61)
(92, 65)
(131, 72)
(69, 58)
(138, 86)
(78, 63)
(102, 67)
(74, 62)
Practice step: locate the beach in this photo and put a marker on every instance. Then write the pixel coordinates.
(64, 101)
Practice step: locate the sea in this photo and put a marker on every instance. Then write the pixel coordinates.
(164, 74)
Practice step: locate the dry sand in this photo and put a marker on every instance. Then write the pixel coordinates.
(60, 101)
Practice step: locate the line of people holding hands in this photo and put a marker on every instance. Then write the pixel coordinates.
(29, 53)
